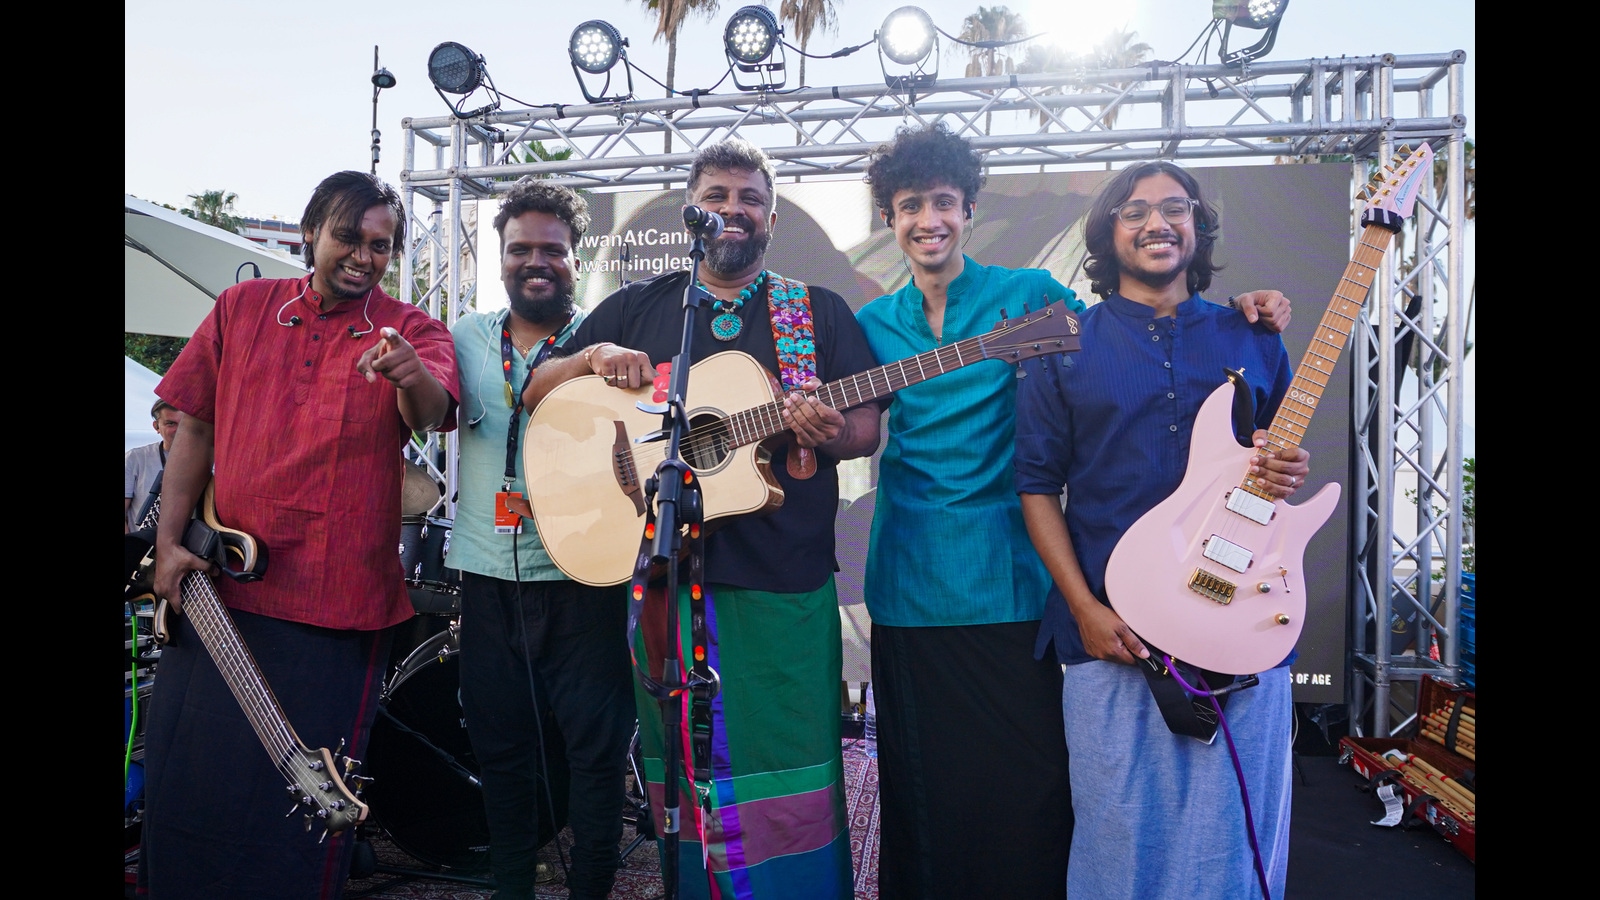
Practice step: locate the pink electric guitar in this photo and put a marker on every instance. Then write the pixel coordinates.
(1213, 574)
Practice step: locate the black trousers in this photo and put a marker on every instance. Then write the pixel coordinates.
(214, 822)
(530, 654)
(972, 764)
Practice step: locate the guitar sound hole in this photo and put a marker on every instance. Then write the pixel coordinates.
(708, 444)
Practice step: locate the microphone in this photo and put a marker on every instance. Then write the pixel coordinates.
(293, 321)
(702, 223)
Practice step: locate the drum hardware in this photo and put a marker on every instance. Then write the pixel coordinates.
(635, 801)
(426, 793)
(424, 541)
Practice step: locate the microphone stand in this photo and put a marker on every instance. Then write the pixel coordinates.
(677, 500)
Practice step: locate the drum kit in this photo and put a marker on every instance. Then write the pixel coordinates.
(425, 792)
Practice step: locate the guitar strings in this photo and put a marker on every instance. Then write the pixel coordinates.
(761, 422)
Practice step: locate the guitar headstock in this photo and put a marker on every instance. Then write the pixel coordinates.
(320, 791)
(1391, 195)
(1053, 329)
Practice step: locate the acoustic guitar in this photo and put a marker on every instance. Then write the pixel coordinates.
(588, 446)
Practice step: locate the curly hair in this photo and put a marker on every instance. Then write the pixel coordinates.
(733, 155)
(534, 195)
(341, 200)
(920, 158)
(1102, 269)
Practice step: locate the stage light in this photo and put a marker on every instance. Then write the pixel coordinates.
(906, 36)
(454, 69)
(750, 40)
(908, 39)
(595, 48)
(383, 79)
(1259, 15)
(751, 34)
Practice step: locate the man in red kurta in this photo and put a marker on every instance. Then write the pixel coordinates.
(300, 393)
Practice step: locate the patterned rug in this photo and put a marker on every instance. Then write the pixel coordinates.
(401, 877)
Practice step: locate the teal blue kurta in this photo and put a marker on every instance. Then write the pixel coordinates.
(948, 543)
(474, 546)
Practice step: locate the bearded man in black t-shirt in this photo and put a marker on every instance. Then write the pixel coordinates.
(775, 815)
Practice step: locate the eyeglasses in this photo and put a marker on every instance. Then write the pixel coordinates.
(1175, 210)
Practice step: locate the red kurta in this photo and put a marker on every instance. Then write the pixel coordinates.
(307, 451)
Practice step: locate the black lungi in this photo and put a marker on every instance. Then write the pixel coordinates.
(972, 764)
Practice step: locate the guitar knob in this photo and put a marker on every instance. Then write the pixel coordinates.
(1264, 588)
(1281, 619)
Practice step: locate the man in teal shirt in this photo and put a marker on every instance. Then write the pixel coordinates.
(972, 757)
(522, 621)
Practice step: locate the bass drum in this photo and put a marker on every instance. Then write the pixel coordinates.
(425, 792)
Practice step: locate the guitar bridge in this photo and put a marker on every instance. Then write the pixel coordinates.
(1211, 587)
(624, 470)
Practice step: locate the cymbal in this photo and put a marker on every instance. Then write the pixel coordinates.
(418, 491)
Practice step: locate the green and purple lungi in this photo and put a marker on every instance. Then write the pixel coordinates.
(777, 827)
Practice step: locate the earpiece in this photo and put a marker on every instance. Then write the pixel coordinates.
(293, 321)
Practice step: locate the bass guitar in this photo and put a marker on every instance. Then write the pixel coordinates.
(316, 778)
(592, 444)
(1213, 575)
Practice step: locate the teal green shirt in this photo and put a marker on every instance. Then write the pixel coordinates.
(948, 543)
(474, 547)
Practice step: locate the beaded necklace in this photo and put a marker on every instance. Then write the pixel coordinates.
(727, 325)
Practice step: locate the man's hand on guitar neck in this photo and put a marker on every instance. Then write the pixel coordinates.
(1281, 472)
(173, 564)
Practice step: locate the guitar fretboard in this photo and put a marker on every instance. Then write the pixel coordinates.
(1288, 428)
(762, 422)
(211, 621)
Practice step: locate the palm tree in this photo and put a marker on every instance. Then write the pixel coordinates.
(808, 16)
(992, 24)
(214, 208)
(670, 16)
(1117, 50)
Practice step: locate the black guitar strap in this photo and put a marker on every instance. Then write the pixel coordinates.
(1183, 712)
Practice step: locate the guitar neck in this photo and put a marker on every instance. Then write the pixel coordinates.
(762, 422)
(210, 618)
(1289, 426)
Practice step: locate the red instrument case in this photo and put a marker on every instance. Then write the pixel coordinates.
(1426, 795)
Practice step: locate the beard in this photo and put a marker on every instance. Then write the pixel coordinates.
(731, 256)
(542, 310)
(1129, 266)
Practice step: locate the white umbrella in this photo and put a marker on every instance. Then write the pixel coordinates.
(139, 394)
(174, 267)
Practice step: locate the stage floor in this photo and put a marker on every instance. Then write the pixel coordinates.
(1334, 850)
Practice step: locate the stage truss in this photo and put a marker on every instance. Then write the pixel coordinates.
(1407, 410)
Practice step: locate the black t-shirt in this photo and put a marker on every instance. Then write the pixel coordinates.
(789, 550)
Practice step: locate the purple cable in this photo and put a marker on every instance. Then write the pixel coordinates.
(1249, 822)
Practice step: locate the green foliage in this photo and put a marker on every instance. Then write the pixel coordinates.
(1468, 510)
(153, 351)
(214, 208)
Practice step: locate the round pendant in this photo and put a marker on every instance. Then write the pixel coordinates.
(726, 327)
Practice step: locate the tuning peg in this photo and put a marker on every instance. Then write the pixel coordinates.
(324, 837)
(1405, 149)
(308, 824)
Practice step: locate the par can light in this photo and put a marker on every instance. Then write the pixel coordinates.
(751, 34)
(595, 46)
(906, 36)
(454, 69)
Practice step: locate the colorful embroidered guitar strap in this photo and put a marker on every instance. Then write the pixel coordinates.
(790, 304)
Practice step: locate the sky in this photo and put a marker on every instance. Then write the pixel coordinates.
(264, 100)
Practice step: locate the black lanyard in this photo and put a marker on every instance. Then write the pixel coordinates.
(514, 399)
